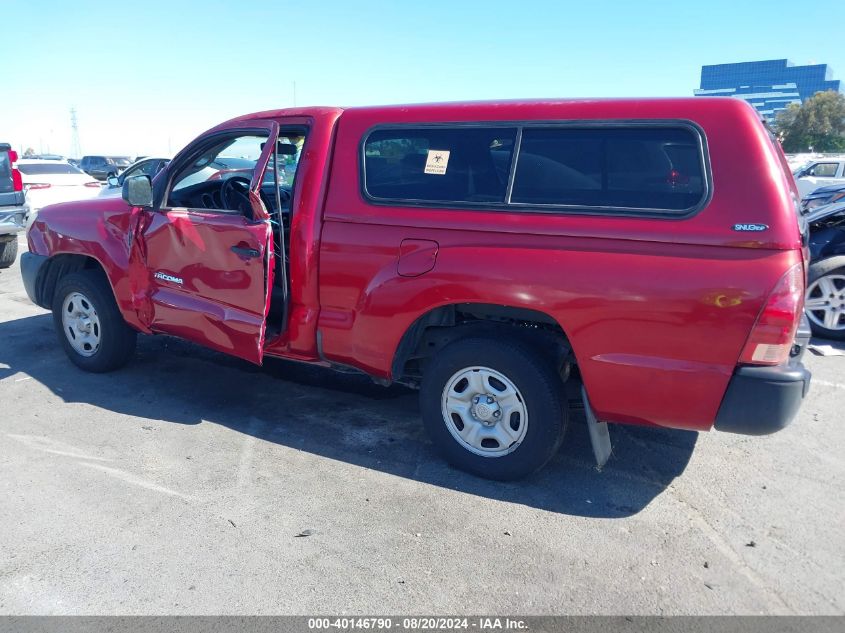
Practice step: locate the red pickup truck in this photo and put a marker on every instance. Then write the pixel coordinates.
(485, 253)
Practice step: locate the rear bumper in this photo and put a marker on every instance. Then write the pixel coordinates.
(763, 400)
(31, 267)
(12, 219)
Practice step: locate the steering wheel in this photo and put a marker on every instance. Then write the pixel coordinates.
(235, 194)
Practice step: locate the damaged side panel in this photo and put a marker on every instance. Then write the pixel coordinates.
(189, 281)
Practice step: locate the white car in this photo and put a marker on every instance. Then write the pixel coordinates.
(819, 172)
(51, 181)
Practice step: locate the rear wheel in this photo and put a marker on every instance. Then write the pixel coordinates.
(89, 325)
(825, 301)
(493, 408)
(8, 252)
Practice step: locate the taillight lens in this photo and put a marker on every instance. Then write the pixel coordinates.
(17, 181)
(772, 337)
(93, 184)
(38, 185)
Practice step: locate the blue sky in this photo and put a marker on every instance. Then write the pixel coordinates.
(146, 77)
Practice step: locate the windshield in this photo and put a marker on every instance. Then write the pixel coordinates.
(47, 168)
(232, 157)
(800, 169)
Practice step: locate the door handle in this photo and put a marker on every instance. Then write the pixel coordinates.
(245, 251)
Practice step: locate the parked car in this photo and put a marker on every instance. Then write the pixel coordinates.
(51, 181)
(825, 298)
(146, 167)
(819, 173)
(484, 253)
(103, 167)
(822, 197)
(13, 209)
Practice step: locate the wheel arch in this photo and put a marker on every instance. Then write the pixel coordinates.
(441, 325)
(823, 266)
(58, 265)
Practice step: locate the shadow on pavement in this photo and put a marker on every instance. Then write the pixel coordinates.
(343, 417)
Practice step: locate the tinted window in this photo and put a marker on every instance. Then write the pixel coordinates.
(47, 168)
(5, 173)
(825, 170)
(629, 168)
(439, 164)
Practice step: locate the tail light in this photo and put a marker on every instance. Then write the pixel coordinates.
(93, 183)
(17, 180)
(38, 185)
(771, 338)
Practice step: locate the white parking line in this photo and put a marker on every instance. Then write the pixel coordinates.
(135, 480)
(825, 383)
(54, 447)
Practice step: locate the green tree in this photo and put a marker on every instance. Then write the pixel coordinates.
(818, 123)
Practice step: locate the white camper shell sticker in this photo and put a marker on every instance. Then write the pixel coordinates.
(437, 161)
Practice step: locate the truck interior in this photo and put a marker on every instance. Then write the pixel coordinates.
(219, 180)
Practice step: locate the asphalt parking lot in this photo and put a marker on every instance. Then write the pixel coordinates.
(192, 483)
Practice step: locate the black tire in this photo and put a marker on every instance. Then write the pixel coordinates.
(535, 379)
(825, 268)
(116, 339)
(8, 252)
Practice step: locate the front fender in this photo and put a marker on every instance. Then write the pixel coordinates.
(101, 230)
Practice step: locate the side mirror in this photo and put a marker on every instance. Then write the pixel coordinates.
(113, 181)
(138, 191)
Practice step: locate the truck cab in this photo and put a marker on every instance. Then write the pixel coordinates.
(485, 254)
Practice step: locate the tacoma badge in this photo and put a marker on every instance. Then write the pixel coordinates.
(166, 277)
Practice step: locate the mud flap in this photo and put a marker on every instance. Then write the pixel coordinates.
(599, 433)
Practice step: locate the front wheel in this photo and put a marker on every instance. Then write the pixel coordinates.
(825, 300)
(89, 325)
(493, 408)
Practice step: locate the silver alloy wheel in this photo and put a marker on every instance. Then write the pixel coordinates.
(81, 324)
(484, 411)
(825, 302)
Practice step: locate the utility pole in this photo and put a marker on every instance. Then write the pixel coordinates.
(75, 149)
